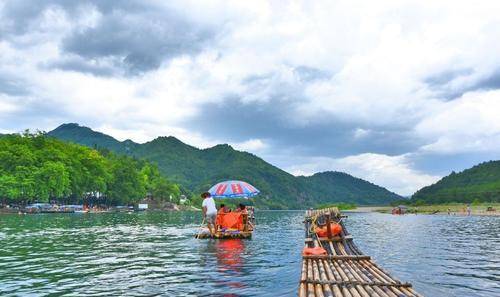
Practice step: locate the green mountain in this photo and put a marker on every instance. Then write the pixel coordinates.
(347, 186)
(480, 183)
(198, 169)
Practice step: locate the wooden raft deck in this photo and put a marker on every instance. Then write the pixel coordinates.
(225, 235)
(345, 271)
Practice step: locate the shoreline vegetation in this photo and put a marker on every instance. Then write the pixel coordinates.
(339, 206)
(458, 209)
(35, 168)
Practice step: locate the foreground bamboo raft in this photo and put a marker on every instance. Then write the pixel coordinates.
(344, 271)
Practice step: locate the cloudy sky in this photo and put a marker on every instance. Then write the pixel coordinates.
(397, 92)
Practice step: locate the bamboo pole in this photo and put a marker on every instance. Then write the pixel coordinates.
(310, 287)
(377, 277)
(334, 252)
(318, 288)
(346, 278)
(351, 274)
(302, 289)
(201, 226)
(323, 276)
(331, 276)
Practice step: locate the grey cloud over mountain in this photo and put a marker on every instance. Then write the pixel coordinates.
(274, 122)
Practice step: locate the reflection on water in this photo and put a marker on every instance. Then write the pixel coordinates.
(155, 254)
(230, 262)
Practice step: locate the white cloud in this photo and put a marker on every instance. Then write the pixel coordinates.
(374, 57)
(360, 133)
(251, 145)
(5, 105)
(468, 124)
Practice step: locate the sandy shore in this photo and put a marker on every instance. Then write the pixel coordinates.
(370, 209)
(456, 210)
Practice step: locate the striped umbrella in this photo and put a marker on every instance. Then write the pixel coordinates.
(233, 189)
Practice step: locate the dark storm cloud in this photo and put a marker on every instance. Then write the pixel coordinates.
(272, 118)
(237, 122)
(142, 42)
(443, 164)
(490, 82)
(12, 86)
(445, 77)
(139, 35)
(441, 83)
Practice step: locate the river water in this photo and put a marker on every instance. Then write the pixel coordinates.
(155, 254)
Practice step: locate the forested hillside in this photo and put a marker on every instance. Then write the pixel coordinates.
(479, 183)
(352, 188)
(198, 169)
(34, 167)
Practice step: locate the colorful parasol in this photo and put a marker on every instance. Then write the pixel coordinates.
(233, 189)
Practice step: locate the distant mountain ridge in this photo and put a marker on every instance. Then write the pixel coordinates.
(198, 169)
(480, 182)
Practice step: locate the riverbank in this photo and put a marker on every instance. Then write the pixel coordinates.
(370, 209)
(58, 209)
(483, 209)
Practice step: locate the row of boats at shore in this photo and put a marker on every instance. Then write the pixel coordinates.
(36, 208)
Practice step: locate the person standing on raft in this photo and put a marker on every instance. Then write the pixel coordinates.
(209, 212)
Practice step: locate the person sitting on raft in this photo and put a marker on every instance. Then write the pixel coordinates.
(209, 212)
(242, 208)
(223, 209)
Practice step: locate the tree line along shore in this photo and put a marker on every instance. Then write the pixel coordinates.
(38, 168)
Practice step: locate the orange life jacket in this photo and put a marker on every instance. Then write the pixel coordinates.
(323, 231)
(315, 251)
(230, 220)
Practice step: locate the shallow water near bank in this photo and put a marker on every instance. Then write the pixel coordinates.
(148, 254)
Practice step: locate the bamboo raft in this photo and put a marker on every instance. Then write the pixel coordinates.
(226, 235)
(345, 271)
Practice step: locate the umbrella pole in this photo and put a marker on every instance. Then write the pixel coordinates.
(201, 226)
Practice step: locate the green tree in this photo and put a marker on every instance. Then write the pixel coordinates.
(52, 181)
(126, 185)
(35, 167)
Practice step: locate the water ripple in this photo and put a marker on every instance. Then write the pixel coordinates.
(155, 254)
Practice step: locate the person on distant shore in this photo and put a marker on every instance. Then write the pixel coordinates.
(209, 212)
(468, 209)
(449, 211)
